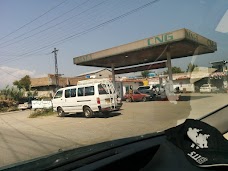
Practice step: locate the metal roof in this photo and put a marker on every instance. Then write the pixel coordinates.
(180, 43)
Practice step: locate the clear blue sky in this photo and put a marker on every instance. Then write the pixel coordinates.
(20, 54)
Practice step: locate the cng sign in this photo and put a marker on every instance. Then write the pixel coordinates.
(160, 39)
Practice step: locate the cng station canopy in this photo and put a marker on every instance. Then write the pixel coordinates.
(179, 43)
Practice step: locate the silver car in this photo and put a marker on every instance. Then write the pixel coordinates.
(208, 88)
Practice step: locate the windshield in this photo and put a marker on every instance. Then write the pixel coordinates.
(172, 48)
(143, 88)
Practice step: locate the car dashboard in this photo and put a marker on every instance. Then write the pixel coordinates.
(135, 153)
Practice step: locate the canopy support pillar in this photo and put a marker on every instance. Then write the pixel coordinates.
(169, 64)
(113, 76)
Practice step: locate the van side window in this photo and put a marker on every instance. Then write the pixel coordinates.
(67, 93)
(101, 89)
(58, 94)
(73, 92)
(89, 91)
(81, 91)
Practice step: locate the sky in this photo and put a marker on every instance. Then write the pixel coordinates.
(31, 29)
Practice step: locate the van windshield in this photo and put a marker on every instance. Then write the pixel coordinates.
(58, 94)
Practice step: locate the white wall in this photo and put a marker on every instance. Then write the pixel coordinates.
(45, 93)
(184, 84)
(103, 74)
(188, 87)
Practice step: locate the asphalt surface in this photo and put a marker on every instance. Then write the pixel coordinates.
(24, 138)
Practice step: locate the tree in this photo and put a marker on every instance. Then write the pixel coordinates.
(175, 70)
(145, 73)
(24, 82)
(12, 93)
(191, 67)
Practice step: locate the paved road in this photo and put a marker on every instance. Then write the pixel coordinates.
(24, 138)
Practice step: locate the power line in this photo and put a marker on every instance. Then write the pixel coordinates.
(55, 24)
(27, 32)
(40, 54)
(86, 31)
(78, 25)
(34, 19)
(9, 73)
(102, 24)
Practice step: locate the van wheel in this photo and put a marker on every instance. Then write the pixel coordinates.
(88, 112)
(60, 112)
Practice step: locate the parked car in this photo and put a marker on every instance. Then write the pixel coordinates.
(154, 88)
(24, 106)
(149, 87)
(208, 88)
(136, 96)
(151, 93)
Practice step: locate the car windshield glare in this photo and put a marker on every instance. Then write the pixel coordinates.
(75, 73)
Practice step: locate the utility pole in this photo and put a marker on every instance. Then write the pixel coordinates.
(56, 68)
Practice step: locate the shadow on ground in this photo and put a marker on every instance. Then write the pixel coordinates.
(188, 98)
(98, 115)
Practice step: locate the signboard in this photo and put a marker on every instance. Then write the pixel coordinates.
(87, 76)
(36, 104)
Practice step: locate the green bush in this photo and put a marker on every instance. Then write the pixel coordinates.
(42, 112)
(8, 105)
(3, 109)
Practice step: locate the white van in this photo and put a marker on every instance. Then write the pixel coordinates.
(89, 96)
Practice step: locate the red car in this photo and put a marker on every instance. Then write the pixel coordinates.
(136, 96)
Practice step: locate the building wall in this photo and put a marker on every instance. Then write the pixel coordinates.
(47, 85)
(99, 74)
(44, 90)
(153, 81)
(103, 74)
(182, 81)
(45, 94)
(40, 81)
